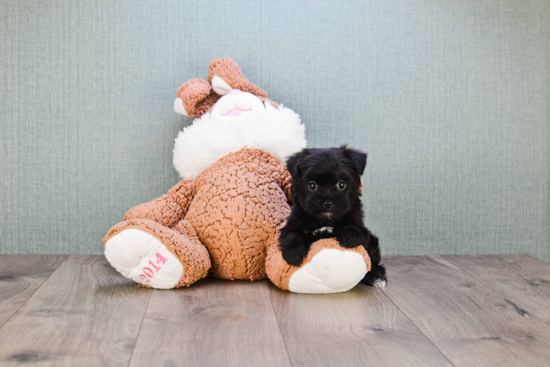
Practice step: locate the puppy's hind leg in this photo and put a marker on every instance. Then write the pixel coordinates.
(376, 277)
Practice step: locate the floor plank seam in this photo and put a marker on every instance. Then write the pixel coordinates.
(140, 326)
(416, 326)
(36, 290)
(278, 325)
(532, 257)
(518, 273)
(496, 291)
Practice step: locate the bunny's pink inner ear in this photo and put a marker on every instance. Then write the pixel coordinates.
(196, 96)
(229, 72)
(220, 86)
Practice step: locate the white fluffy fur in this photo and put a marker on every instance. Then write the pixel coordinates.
(278, 131)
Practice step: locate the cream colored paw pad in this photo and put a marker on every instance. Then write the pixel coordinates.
(329, 271)
(143, 258)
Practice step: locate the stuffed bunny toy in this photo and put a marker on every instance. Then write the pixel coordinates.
(223, 218)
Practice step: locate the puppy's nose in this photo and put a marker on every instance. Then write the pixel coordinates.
(327, 204)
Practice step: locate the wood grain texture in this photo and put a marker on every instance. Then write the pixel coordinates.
(85, 314)
(519, 278)
(20, 277)
(212, 323)
(468, 321)
(357, 328)
(435, 311)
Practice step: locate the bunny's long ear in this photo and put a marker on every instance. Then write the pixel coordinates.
(225, 74)
(194, 98)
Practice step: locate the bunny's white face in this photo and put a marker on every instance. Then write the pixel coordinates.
(237, 105)
(232, 106)
(237, 120)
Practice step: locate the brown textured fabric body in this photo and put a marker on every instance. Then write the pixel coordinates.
(238, 204)
(222, 221)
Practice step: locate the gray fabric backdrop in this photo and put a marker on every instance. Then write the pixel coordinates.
(449, 98)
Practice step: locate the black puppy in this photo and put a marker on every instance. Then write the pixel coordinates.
(326, 186)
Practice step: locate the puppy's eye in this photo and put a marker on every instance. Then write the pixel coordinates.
(341, 185)
(312, 186)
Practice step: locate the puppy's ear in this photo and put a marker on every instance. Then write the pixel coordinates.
(358, 157)
(293, 162)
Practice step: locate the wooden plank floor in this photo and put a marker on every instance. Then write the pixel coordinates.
(436, 311)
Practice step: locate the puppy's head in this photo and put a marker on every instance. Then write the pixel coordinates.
(326, 182)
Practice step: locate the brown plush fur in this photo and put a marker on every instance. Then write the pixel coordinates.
(234, 207)
(238, 204)
(197, 97)
(229, 71)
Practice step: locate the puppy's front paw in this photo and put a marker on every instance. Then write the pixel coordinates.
(295, 255)
(350, 238)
